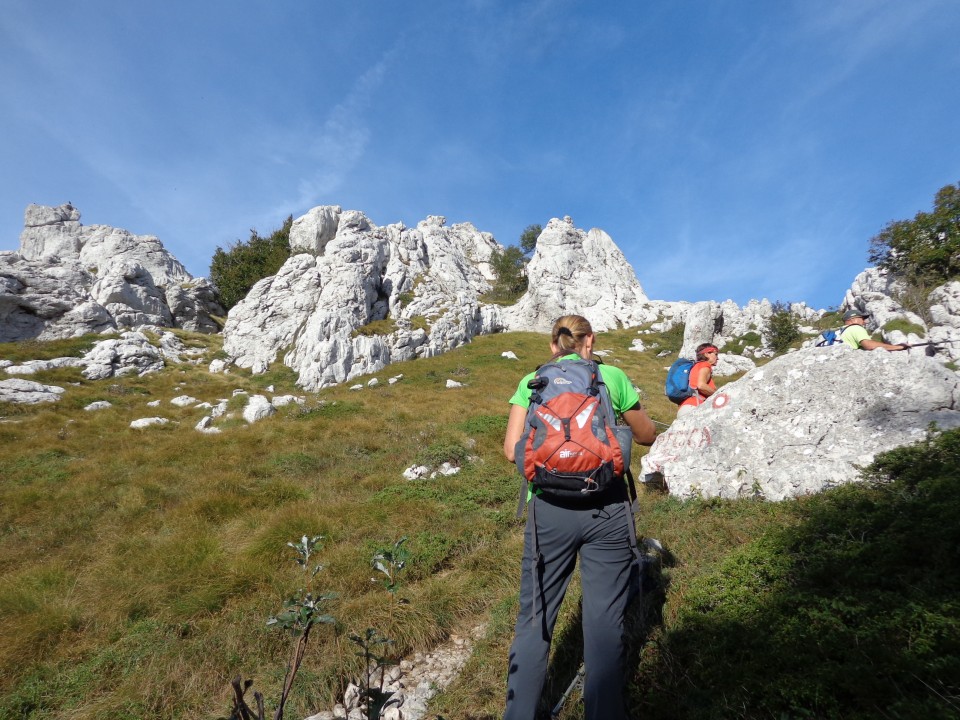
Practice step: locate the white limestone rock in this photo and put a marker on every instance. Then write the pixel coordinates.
(573, 271)
(445, 469)
(312, 309)
(415, 472)
(28, 392)
(453, 384)
(945, 314)
(68, 280)
(703, 321)
(206, 426)
(310, 233)
(804, 422)
(148, 422)
(47, 300)
(31, 367)
(258, 408)
(729, 364)
(194, 304)
(128, 292)
(183, 401)
(57, 233)
(131, 353)
(98, 405)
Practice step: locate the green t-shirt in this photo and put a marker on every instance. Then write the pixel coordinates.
(853, 335)
(623, 396)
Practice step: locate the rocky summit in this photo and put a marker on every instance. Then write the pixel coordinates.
(68, 280)
(355, 297)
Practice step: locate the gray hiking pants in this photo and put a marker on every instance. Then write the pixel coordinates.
(601, 537)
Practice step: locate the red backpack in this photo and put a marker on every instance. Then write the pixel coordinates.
(571, 446)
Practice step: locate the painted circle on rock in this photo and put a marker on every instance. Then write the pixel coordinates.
(720, 399)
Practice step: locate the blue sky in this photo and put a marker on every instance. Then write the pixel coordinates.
(732, 149)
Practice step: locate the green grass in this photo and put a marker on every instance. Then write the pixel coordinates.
(140, 567)
(904, 326)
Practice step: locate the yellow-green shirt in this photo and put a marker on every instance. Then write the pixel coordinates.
(853, 335)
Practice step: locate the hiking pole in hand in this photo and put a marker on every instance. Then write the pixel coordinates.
(931, 347)
(577, 681)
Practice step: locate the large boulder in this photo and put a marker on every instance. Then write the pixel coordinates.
(804, 422)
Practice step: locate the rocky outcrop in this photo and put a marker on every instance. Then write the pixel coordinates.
(804, 422)
(423, 286)
(45, 300)
(69, 280)
(56, 232)
(364, 296)
(577, 272)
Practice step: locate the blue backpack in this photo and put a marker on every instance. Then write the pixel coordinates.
(677, 387)
(829, 337)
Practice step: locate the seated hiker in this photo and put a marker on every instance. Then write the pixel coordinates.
(701, 377)
(854, 333)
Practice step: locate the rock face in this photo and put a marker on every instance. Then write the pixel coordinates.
(364, 296)
(804, 422)
(69, 280)
(577, 272)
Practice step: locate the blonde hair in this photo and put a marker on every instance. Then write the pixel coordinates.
(569, 333)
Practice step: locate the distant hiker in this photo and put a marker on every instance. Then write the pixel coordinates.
(598, 525)
(701, 378)
(856, 336)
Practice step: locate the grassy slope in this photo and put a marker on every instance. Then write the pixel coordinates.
(140, 566)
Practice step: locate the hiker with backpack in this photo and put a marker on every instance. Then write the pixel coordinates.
(854, 333)
(700, 385)
(561, 433)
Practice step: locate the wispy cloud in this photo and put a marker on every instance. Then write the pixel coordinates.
(329, 153)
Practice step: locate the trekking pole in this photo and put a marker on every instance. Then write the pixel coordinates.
(931, 347)
(577, 680)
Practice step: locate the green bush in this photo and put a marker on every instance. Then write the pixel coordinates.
(236, 270)
(854, 608)
(509, 268)
(782, 328)
(528, 238)
(924, 251)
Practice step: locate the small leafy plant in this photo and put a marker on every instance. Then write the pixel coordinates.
(300, 613)
(391, 562)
